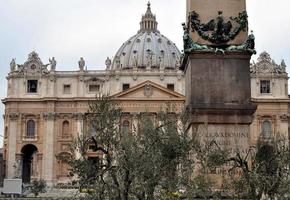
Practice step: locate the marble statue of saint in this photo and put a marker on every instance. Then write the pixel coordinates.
(135, 62)
(161, 63)
(118, 62)
(283, 66)
(82, 64)
(108, 63)
(52, 63)
(12, 65)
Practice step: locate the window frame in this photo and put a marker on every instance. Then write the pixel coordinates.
(64, 92)
(125, 84)
(264, 134)
(27, 134)
(94, 84)
(63, 134)
(170, 84)
(269, 90)
(28, 88)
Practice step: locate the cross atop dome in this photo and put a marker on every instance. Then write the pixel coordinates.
(148, 22)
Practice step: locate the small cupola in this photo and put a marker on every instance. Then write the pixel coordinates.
(148, 22)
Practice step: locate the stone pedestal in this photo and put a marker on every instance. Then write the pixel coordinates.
(218, 96)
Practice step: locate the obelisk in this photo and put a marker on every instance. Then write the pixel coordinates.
(217, 53)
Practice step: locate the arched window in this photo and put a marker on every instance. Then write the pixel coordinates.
(266, 129)
(125, 126)
(65, 129)
(30, 131)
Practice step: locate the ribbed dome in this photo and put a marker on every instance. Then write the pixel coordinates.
(148, 48)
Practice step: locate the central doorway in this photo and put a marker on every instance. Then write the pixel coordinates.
(28, 151)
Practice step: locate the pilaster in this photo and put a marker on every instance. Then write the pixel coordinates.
(12, 136)
(48, 150)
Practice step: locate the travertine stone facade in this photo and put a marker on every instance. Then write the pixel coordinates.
(45, 107)
(269, 82)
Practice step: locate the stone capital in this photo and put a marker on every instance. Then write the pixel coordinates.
(284, 117)
(13, 116)
(78, 116)
(50, 116)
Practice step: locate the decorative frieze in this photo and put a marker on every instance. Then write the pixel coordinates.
(266, 65)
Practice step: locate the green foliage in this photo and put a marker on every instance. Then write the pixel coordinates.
(38, 186)
(262, 172)
(156, 160)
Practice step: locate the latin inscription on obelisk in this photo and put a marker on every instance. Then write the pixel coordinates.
(217, 70)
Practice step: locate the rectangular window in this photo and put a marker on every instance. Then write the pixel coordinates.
(170, 87)
(66, 89)
(265, 87)
(94, 88)
(32, 86)
(126, 86)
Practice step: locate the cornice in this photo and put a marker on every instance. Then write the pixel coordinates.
(270, 100)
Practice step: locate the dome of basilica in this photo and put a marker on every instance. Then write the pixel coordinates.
(147, 49)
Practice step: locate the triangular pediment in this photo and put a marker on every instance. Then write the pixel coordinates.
(149, 90)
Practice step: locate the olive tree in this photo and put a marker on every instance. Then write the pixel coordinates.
(155, 162)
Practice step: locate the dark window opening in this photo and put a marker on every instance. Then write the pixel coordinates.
(266, 129)
(126, 86)
(94, 88)
(30, 132)
(32, 86)
(65, 129)
(170, 87)
(66, 89)
(265, 87)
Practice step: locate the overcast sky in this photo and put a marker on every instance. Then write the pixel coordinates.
(95, 29)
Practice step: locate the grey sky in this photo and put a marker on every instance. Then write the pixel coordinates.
(94, 29)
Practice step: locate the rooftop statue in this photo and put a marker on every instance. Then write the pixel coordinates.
(52, 63)
(108, 63)
(82, 64)
(13, 65)
(117, 62)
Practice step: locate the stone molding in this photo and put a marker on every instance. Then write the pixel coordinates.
(29, 115)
